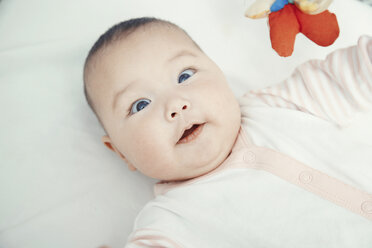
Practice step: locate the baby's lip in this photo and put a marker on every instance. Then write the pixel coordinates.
(188, 127)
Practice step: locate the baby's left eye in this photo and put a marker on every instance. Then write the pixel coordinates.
(185, 75)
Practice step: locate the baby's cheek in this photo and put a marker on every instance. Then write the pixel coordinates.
(147, 146)
(143, 141)
(215, 94)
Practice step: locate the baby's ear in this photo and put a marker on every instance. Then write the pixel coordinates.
(107, 142)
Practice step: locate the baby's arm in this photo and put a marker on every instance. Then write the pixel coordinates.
(332, 89)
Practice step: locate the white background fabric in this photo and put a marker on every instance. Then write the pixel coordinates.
(59, 186)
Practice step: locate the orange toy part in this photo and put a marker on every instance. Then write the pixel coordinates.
(285, 24)
(283, 30)
(321, 28)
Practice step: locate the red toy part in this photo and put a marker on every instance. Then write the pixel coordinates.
(285, 24)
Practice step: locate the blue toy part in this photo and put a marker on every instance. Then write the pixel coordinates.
(278, 5)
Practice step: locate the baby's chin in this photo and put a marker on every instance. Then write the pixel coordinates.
(198, 171)
(216, 157)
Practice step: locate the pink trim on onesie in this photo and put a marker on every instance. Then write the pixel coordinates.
(312, 180)
(152, 240)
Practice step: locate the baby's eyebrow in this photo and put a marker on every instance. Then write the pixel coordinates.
(180, 54)
(119, 93)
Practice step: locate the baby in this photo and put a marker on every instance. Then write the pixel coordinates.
(166, 107)
(278, 167)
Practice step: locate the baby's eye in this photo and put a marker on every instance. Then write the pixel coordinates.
(185, 75)
(139, 105)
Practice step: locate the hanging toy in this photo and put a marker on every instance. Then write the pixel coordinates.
(287, 18)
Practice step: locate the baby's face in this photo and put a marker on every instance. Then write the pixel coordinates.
(150, 88)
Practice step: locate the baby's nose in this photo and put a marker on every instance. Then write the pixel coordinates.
(177, 108)
(173, 115)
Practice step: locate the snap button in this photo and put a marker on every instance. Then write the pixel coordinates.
(306, 177)
(367, 207)
(249, 157)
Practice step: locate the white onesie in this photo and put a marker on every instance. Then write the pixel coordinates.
(299, 174)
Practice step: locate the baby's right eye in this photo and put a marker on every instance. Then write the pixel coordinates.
(139, 105)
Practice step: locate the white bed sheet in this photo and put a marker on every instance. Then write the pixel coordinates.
(59, 186)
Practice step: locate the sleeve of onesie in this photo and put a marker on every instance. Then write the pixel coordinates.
(150, 238)
(332, 89)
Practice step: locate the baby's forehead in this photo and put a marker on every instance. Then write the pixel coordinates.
(129, 40)
(145, 46)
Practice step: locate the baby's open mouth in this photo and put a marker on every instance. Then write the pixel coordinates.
(191, 133)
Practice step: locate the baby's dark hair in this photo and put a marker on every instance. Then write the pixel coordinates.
(118, 32)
